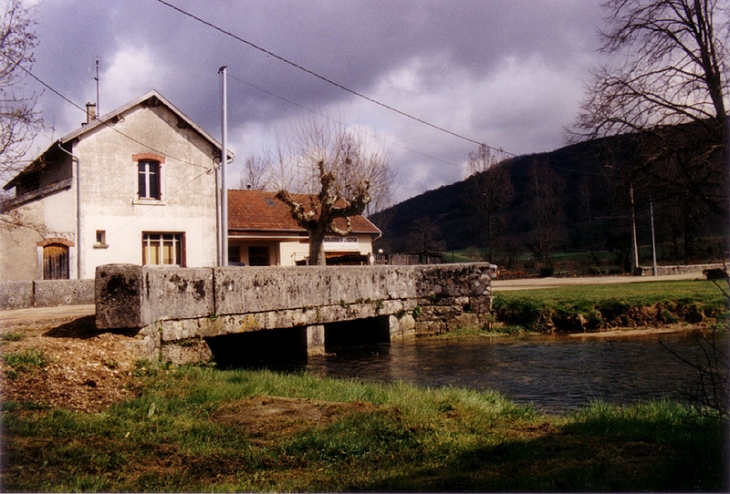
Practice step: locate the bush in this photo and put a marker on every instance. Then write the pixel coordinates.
(547, 271)
(523, 312)
(594, 270)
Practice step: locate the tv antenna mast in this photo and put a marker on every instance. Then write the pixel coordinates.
(98, 108)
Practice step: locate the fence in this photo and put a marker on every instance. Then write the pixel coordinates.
(409, 259)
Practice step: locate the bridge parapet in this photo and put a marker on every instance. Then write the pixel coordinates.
(185, 306)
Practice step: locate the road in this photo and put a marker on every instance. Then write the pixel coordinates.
(533, 283)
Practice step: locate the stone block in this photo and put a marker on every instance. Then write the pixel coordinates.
(119, 291)
(190, 352)
(178, 293)
(403, 328)
(132, 296)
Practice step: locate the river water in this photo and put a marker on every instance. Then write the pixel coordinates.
(554, 373)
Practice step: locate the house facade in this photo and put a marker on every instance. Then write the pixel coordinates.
(261, 232)
(137, 186)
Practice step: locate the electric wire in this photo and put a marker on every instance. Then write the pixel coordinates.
(253, 86)
(149, 208)
(358, 94)
(326, 79)
(107, 125)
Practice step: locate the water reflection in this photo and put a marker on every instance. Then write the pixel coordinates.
(556, 374)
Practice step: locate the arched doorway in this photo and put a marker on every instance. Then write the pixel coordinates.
(55, 262)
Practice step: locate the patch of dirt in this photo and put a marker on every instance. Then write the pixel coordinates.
(263, 416)
(86, 370)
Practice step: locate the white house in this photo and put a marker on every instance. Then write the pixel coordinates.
(137, 185)
(262, 232)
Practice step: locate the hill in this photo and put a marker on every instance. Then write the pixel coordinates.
(595, 204)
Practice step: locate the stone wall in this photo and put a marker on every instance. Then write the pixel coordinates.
(680, 269)
(45, 293)
(184, 306)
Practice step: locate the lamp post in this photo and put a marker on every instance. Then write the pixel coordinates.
(224, 161)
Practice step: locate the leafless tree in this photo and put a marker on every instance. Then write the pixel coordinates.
(544, 197)
(19, 121)
(488, 192)
(423, 236)
(336, 170)
(669, 72)
(255, 174)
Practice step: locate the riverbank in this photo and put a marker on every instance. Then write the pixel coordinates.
(600, 308)
(199, 429)
(81, 413)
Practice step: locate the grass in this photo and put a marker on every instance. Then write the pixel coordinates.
(599, 306)
(28, 360)
(202, 429)
(12, 337)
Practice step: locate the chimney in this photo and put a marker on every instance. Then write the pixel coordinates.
(90, 112)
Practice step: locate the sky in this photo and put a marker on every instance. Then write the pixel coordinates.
(507, 73)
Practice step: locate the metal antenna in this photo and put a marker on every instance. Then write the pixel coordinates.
(98, 108)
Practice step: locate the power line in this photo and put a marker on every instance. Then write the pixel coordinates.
(106, 124)
(327, 80)
(149, 208)
(336, 121)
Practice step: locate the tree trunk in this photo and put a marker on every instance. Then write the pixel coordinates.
(316, 249)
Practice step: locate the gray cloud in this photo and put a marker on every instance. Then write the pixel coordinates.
(508, 73)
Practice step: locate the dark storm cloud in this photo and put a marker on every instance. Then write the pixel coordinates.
(508, 73)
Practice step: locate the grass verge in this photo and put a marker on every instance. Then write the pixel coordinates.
(202, 429)
(596, 307)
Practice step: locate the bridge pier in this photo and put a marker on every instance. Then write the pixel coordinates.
(315, 340)
(178, 311)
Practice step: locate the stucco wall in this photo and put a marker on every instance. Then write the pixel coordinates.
(109, 189)
(109, 202)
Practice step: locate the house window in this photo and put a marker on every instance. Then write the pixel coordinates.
(163, 248)
(234, 255)
(258, 256)
(149, 179)
(55, 262)
(100, 240)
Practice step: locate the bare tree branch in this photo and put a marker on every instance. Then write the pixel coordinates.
(336, 170)
(671, 72)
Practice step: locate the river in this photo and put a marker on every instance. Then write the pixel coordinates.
(554, 373)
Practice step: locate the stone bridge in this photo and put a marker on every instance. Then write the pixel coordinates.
(193, 314)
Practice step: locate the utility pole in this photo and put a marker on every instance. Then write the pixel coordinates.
(653, 237)
(224, 161)
(633, 228)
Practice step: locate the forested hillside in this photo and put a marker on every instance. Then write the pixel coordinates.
(593, 210)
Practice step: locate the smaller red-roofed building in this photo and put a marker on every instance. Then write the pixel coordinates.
(262, 232)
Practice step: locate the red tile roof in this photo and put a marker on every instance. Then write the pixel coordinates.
(255, 210)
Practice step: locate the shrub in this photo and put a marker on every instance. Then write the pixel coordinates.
(547, 271)
(523, 312)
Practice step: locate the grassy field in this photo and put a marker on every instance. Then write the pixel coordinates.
(202, 429)
(594, 307)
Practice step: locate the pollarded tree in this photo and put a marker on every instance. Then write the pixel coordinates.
(668, 84)
(336, 169)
